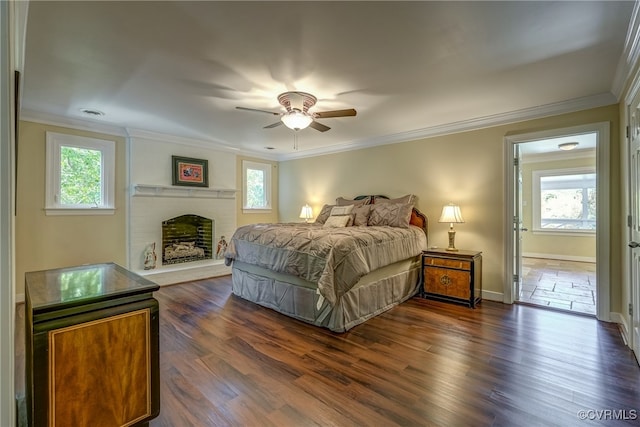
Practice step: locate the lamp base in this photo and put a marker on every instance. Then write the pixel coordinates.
(452, 238)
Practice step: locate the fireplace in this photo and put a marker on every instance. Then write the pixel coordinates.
(187, 238)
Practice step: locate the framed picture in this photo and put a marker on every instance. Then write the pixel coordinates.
(190, 172)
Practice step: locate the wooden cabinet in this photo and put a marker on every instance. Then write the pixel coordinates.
(452, 276)
(92, 354)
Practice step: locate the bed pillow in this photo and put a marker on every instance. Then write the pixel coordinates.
(344, 211)
(325, 212)
(341, 201)
(341, 210)
(337, 221)
(361, 215)
(391, 214)
(409, 198)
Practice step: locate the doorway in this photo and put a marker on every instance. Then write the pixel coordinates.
(558, 234)
(557, 219)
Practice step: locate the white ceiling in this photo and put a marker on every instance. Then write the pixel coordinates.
(585, 141)
(410, 69)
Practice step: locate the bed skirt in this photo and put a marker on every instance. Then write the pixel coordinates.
(375, 293)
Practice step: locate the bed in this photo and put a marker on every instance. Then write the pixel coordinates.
(337, 272)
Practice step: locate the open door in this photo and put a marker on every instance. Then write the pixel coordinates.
(517, 222)
(634, 203)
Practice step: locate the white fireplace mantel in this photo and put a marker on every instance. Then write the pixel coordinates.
(148, 190)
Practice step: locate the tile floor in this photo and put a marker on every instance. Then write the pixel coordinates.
(567, 285)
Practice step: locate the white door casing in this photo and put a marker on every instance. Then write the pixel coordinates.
(634, 237)
(603, 240)
(517, 223)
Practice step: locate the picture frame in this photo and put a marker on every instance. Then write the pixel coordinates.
(190, 172)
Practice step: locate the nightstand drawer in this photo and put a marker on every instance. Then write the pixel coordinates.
(449, 263)
(452, 283)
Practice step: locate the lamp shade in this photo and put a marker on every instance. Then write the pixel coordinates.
(296, 120)
(451, 214)
(306, 213)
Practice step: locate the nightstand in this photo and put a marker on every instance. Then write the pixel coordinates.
(452, 276)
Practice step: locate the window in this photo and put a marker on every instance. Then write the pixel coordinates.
(256, 186)
(565, 200)
(80, 175)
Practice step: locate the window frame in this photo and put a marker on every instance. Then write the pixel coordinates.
(536, 175)
(107, 148)
(266, 169)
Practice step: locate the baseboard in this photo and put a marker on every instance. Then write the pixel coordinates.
(624, 327)
(559, 257)
(492, 296)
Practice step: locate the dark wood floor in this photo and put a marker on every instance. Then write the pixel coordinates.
(228, 362)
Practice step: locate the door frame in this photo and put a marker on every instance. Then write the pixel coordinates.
(603, 240)
(627, 260)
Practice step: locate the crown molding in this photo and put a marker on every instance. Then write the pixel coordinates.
(73, 123)
(99, 127)
(180, 140)
(557, 108)
(532, 113)
(630, 53)
(197, 143)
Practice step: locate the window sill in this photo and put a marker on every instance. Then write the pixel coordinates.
(566, 233)
(256, 211)
(79, 211)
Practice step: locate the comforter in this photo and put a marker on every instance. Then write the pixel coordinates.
(334, 258)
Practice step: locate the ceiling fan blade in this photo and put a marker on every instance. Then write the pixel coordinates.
(274, 125)
(259, 111)
(319, 126)
(335, 113)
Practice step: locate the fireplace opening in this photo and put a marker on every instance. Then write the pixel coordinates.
(187, 238)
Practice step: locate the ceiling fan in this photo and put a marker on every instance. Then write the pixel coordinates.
(297, 115)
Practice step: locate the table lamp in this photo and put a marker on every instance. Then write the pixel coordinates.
(451, 214)
(306, 213)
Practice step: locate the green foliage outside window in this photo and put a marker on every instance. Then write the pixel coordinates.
(256, 188)
(80, 176)
(568, 202)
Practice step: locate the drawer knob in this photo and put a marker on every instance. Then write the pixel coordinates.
(445, 280)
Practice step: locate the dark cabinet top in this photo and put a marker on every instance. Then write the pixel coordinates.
(454, 254)
(68, 287)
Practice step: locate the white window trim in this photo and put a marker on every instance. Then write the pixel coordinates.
(55, 141)
(535, 195)
(266, 168)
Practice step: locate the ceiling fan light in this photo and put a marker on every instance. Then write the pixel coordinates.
(296, 120)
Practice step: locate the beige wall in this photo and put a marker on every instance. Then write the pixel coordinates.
(250, 217)
(576, 247)
(465, 168)
(44, 242)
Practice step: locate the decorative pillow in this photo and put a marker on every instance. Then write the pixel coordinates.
(341, 210)
(341, 201)
(325, 212)
(391, 214)
(361, 214)
(337, 221)
(409, 198)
